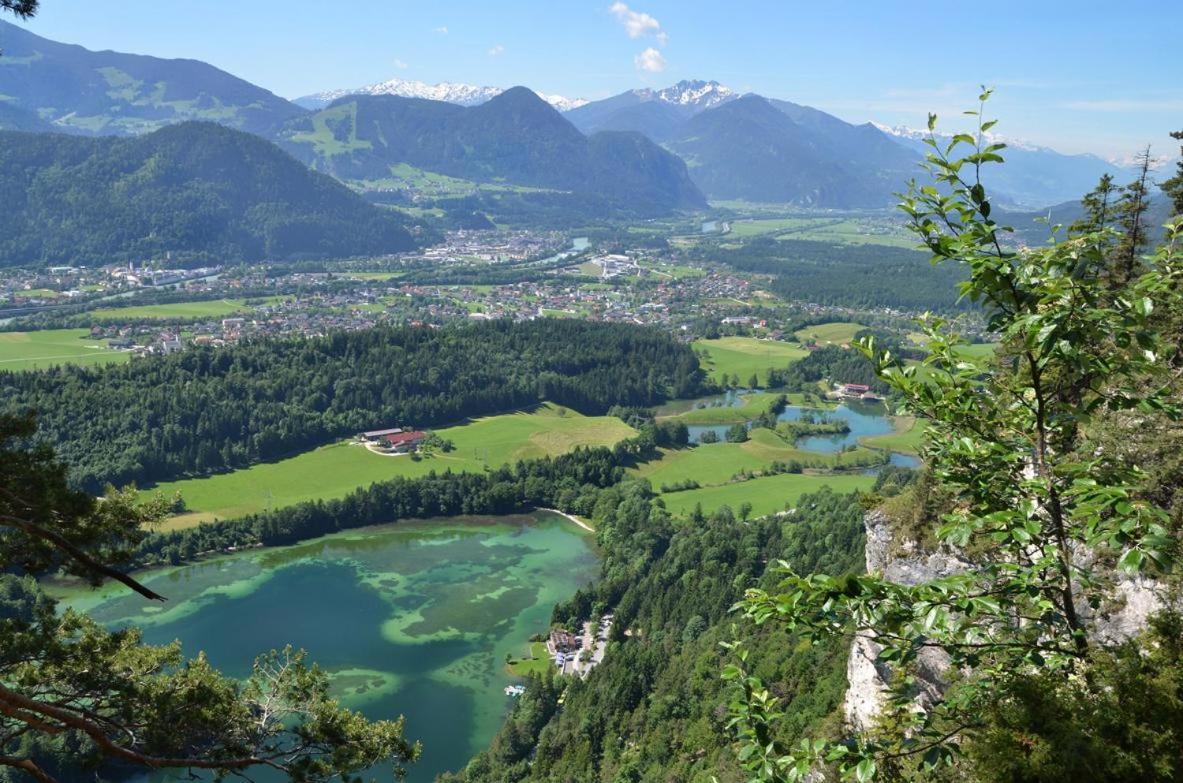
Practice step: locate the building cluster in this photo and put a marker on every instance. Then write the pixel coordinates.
(582, 652)
(395, 440)
(492, 246)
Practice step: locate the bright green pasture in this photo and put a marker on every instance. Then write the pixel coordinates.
(753, 405)
(751, 228)
(744, 356)
(717, 463)
(335, 470)
(45, 348)
(767, 495)
(908, 435)
(830, 334)
(213, 308)
(536, 661)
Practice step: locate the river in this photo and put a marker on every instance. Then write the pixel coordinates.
(413, 618)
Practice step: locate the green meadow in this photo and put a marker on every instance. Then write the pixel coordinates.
(836, 333)
(907, 438)
(717, 463)
(745, 356)
(214, 308)
(335, 470)
(767, 494)
(49, 347)
(846, 231)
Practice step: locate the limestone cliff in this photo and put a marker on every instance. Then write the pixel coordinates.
(1135, 600)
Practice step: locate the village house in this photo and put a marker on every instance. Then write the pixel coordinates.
(562, 641)
(404, 442)
(375, 436)
(851, 391)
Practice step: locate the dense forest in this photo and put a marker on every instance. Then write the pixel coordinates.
(211, 409)
(197, 191)
(870, 276)
(654, 710)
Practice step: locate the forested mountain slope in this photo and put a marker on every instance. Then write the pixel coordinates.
(197, 191)
(112, 93)
(656, 708)
(750, 149)
(209, 409)
(516, 138)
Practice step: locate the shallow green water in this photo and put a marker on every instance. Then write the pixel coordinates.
(411, 619)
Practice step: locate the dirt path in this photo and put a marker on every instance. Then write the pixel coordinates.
(571, 517)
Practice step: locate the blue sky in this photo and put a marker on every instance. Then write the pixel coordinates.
(1080, 76)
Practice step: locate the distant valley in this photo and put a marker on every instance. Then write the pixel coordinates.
(465, 155)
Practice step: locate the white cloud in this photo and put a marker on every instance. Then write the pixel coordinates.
(496, 50)
(650, 60)
(400, 64)
(442, 30)
(638, 24)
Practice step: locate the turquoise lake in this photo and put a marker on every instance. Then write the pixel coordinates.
(410, 619)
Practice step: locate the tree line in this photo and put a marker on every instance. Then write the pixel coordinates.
(206, 409)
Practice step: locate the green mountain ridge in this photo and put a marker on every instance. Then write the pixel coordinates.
(76, 90)
(515, 138)
(198, 191)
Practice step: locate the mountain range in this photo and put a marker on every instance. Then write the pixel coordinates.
(448, 92)
(644, 151)
(197, 191)
(513, 138)
(1033, 176)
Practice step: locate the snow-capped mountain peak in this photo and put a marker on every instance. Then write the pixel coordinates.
(906, 132)
(694, 93)
(561, 103)
(449, 92)
(697, 93)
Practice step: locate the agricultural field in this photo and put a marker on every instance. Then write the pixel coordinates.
(836, 333)
(908, 435)
(745, 356)
(752, 228)
(767, 494)
(974, 352)
(717, 463)
(49, 347)
(213, 308)
(854, 230)
(751, 405)
(335, 470)
(379, 276)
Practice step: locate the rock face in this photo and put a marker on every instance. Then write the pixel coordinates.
(903, 563)
(1135, 600)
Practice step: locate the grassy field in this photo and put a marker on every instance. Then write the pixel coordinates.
(864, 230)
(767, 495)
(335, 470)
(41, 349)
(909, 432)
(744, 356)
(751, 228)
(213, 308)
(537, 661)
(752, 405)
(716, 463)
(975, 352)
(373, 275)
(830, 334)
